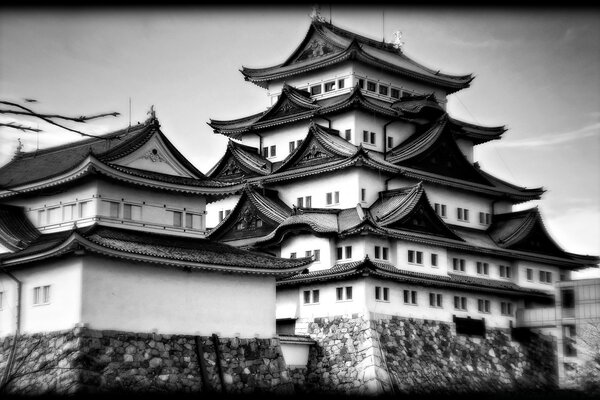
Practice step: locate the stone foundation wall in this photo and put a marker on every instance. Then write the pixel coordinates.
(88, 360)
(364, 354)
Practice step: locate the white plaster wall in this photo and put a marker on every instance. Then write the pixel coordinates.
(64, 309)
(452, 199)
(303, 242)
(402, 249)
(328, 305)
(280, 136)
(142, 297)
(396, 305)
(493, 265)
(521, 275)
(212, 209)
(287, 304)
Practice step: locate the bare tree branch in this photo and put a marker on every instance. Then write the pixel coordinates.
(19, 127)
(48, 117)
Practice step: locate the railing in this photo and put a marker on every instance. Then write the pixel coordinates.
(536, 317)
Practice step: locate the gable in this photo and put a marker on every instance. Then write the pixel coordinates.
(310, 152)
(154, 156)
(246, 221)
(232, 170)
(538, 241)
(422, 219)
(315, 47)
(445, 158)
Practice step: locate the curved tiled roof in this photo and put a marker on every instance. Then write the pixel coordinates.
(396, 204)
(247, 157)
(367, 267)
(16, 231)
(343, 45)
(185, 252)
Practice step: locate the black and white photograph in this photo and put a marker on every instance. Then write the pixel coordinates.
(294, 201)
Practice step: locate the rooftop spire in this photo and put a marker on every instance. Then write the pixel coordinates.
(398, 43)
(315, 14)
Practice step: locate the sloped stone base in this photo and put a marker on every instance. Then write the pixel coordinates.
(386, 355)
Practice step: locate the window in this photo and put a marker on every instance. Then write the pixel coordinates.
(390, 142)
(343, 293)
(340, 253)
(483, 306)
(41, 217)
(329, 86)
(54, 214)
(382, 293)
(317, 254)
(300, 202)
(435, 300)
(348, 134)
(41, 295)
(177, 218)
(293, 255)
(505, 271)
(69, 212)
(482, 268)
(132, 212)
(340, 83)
(308, 201)
(363, 194)
(109, 208)
(434, 260)
(462, 214)
(220, 216)
(273, 151)
(85, 209)
(361, 83)
(292, 146)
(460, 303)
(383, 90)
(529, 274)
(298, 142)
(458, 264)
(311, 296)
(440, 209)
(265, 152)
(315, 90)
(382, 252)
(395, 93)
(372, 137)
(332, 198)
(348, 251)
(410, 297)
(545, 277)
(506, 308)
(415, 257)
(371, 86)
(366, 136)
(484, 218)
(189, 220)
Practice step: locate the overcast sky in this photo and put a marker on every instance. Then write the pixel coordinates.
(537, 72)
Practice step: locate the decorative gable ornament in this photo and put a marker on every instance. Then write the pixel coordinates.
(154, 156)
(398, 43)
(232, 168)
(315, 14)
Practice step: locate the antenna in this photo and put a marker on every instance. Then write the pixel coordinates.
(130, 112)
(383, 26)
(330, 13)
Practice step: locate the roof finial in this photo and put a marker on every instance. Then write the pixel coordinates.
(19, 149)
(316, 14)
(398, 43)
(152, 112)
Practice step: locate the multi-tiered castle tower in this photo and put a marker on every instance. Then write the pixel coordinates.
(358, 164)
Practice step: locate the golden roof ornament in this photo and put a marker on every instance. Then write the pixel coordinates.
(398, 43)
(315, 15)
(152, 112)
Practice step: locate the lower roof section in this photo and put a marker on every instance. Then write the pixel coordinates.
(168, 250)
(368, 268)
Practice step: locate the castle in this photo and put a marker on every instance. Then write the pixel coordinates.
(346, 241)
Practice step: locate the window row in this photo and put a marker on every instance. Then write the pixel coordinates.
(382, 253)
(223, 214)
(309, 253)
(293, 145)
(416, 257)
(344, 253)
(436, 300)
(384, 90)
(327, 87)
(41, 296)
(66, 212)
(343, 293)
(269, 151)
(544, 276)
(462, 214)
(482, 268)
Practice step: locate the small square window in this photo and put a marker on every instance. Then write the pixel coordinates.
(340, 83)
(292, 146)
(348, 134)
(390, 142)
(383, 90)
(300, 202)
(366, 136)
(529, 274)
(371, 86)
(361, 83)
(377, 252)
(315, 296)
(395, 93)
(337, 197)
(329, 86)
(385, 252)
(329, 198)
(265, 152)
(434, 260)
(220, 216)
(273, 151)
(177, 215)
(339, 294)
(293, 255)
(308, 201)
(317, 254)
(340, 253)
(314, 90)
(363, 194)
(386, 292)
(373, 135)
(306, 296)
(348, 251)
(348, 292)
